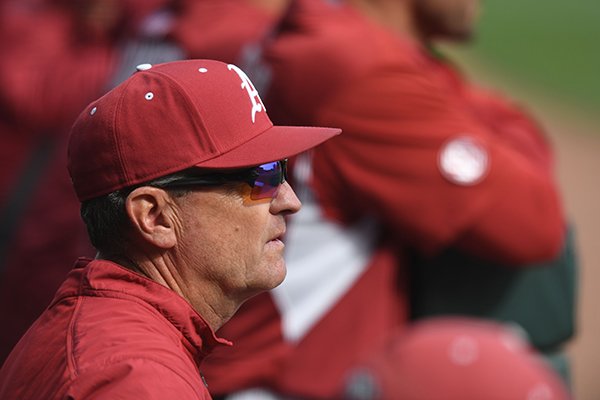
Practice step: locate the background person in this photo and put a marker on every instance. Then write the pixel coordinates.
(57, 57)
(184, 195)
(432, 172)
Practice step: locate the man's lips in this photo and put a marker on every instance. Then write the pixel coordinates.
(278, 235)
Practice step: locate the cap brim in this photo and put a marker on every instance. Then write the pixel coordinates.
(275, 143)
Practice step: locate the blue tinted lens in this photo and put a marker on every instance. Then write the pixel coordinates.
(268, 178)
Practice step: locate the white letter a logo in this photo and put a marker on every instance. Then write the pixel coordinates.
(257, 104)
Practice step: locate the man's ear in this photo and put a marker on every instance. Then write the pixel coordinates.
(151, 214)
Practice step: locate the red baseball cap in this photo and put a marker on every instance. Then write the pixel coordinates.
(455, 358)
(173, 116)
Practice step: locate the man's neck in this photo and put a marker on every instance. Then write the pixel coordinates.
(162, 270)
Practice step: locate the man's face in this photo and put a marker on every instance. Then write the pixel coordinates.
(446, 19)
(232, 241)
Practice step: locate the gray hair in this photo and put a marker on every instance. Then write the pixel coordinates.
(106, 220)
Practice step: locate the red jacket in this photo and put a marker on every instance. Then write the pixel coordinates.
(110, 333)
(425, 161)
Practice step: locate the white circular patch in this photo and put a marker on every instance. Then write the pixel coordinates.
(149, 96)
(463, 350)
(203, 70)
(93, 110)
(143, 67)
(463, 161)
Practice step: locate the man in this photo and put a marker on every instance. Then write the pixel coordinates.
(181, 176)
(428, 164)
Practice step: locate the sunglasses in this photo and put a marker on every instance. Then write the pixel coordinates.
(264, 179)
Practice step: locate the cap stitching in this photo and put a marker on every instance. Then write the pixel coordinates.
(116, 135)
(184, 93)
(126, 179)
(198, 120)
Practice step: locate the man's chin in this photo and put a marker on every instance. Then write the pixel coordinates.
(281, 267)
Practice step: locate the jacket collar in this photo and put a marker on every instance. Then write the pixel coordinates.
(103, 278)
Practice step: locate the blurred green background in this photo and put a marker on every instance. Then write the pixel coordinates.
(551, 47)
